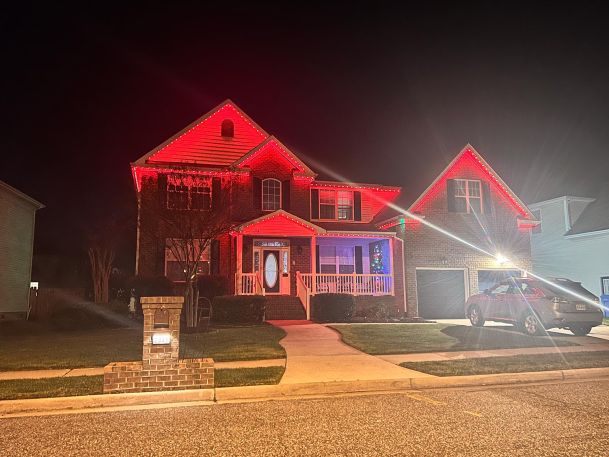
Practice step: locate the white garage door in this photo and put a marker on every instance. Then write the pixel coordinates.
(441, 293)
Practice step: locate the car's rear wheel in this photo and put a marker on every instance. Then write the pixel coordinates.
(580, 330)
(530, 324)
(475, 316)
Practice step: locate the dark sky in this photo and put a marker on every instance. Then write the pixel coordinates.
(379, 93)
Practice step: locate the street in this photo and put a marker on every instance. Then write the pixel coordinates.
(558, 419)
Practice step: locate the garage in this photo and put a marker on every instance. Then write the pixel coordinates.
(441, 293)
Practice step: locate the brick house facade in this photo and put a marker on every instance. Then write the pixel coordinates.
(293, 235)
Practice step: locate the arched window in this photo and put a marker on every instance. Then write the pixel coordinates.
(271, 194)
(228, 128)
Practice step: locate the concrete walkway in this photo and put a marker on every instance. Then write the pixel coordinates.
(97, 371)
(315, 353)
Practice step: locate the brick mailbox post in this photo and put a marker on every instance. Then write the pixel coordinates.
(160, 367)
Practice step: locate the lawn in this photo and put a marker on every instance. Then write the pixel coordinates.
(512, 364)
(92, 385)
(412, 338)
(30, 346)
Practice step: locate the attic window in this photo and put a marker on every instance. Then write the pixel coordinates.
(228, 128)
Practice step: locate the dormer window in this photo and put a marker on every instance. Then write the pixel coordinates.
(227, 129)
(271, 194)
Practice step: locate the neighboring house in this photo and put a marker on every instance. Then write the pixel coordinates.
(295, 234)
(17, 216)
(572, 240)
(470, 201)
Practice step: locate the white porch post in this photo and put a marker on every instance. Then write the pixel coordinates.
(391, 243)
(239, 263)
(313, 265)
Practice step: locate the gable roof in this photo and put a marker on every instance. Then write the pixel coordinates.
(273, 143)
(290, 219)
(35, 203)
(200, 142)
(468, 151)
(594, 217)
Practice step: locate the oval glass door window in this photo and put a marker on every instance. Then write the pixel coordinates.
(271, 270)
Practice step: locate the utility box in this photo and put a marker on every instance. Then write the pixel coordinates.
(160, 367)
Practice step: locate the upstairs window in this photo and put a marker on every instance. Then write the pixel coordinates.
(327, 204)
(468, 196)
(271, 194)
(188, 193)
(228, 128)
(345, 205)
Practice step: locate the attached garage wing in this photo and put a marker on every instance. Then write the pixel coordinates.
(441, 293)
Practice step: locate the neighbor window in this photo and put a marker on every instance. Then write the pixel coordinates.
(188, 193)
(468, 196)
(271, 194)
(175, 255)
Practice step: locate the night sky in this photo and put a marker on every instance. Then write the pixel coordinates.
(378, 93)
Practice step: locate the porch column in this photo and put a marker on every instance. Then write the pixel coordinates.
(313, 265)
(391, 243)
(239, 263)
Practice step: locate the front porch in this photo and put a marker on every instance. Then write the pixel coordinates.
(309, 260)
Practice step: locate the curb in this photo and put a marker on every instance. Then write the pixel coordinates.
(285, 391)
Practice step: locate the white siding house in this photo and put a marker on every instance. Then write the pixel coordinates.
(573, 240)
(17, 215)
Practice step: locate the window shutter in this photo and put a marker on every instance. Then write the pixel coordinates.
(314, 203)
(357, 205)
(257, 193)
(450, 195)
(214, 257)
(285, 195)
(487, 201)
(359, 265)
(216, 193)
(162, 190)
(317, 262)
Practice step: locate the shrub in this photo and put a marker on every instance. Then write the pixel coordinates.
(212, 286)
(376, 308)
(332, 307)
(237, 309)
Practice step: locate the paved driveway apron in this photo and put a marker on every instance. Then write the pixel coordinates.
(316, 354)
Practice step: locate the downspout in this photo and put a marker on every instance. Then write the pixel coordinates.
(137, 235)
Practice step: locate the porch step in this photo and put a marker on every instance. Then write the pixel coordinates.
(284, 307)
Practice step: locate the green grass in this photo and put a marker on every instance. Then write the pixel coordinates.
(248, 376)
(92, 385)
(512, 364)
(414, 338)
(50, 387)
(31, 346)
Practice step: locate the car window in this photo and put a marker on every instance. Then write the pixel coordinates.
(500, 289)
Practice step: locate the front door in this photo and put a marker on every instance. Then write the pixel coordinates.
(270, 271)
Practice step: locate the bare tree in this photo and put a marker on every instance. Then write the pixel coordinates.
(183, 214)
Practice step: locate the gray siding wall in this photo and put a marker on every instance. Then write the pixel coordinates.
(584, 259)
(16, 238)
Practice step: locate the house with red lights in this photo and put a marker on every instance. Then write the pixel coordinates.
(464, 233)
(294, 235)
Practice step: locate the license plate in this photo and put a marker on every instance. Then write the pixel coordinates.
(580, 307)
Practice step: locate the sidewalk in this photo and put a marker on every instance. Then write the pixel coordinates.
(98, 371)
(315, 353)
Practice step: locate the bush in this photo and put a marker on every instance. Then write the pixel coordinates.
(237, 309)
(376, 309)
(212, 286)
(332, 307)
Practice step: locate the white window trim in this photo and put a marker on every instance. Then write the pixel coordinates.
(335, 219)
(280, 194)
(467, 196)
(189, 197)
(337, 263)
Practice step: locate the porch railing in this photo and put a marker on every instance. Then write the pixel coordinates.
(354, 284)
(304, 294)
(248, 284)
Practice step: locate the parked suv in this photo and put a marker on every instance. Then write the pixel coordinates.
(534, 306)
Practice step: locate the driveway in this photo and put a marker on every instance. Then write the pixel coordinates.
(315, 353)
(601, 331)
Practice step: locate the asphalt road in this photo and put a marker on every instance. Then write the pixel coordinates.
(561, 419)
